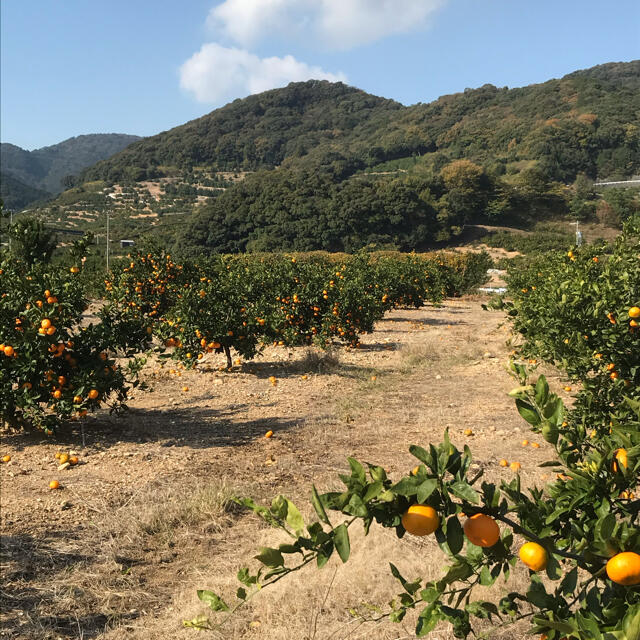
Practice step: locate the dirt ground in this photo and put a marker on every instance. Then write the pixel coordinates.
(144, 519)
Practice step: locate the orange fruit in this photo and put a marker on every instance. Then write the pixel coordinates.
(634, 312)
(77, 399)
(46, 323)
(534, 556)
(624, 568)
(504, 463)
(525, 443)
(414, 471)
(420, 520)
(185, 388)
(57, 394)
(515, 466)
(268, 434)
(6, 458)
(73, 459)
(621, 457)
(8, 351)
(535, 445)
(482, 530)
(93, 394)
(54, 484)
(64, 457)
(468, 432)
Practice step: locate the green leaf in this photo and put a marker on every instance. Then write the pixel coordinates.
(407, 486)
(631, 623)
(455, 535)
(373, 491)
(318, 506)
(356, 507)
(427, 619)
(554, 570)
(605, 527)
(528, 412)
(486, 579)
(541, 391)
(421, 454)
(270, 557)
(569, 582)
(213, 600)
(294, 518)
(341, 540)
(279, 507)
(245, 577)
(425, 489)
(357, 471)
(465, 492)
(241, 593)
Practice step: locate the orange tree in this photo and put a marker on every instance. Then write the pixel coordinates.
(410, 280)
(581, 535)
(51, 367)
(581, 311)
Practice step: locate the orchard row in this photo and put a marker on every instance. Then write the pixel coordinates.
(62, 354)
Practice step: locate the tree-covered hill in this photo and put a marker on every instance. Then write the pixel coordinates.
(257, 132)
(44, 169)
(585, 122)
(320, 165)
(17, 195)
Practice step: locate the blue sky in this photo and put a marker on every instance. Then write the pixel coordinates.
(75, 66)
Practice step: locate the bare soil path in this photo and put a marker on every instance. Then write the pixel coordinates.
(142, 521)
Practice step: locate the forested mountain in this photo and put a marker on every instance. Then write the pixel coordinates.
(17, 195)
(43, 169)
(585, 122)
(320, 165)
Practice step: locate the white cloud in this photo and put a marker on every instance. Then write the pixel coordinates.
(336, 24)
(216, 73)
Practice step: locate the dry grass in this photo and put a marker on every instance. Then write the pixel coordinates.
(317, 361)
(97, 580)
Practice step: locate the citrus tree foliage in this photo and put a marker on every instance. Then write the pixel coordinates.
(54, 367)
(576, 309)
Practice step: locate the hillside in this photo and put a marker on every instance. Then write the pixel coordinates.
(43, 169)
(320, 165)
(17, 195)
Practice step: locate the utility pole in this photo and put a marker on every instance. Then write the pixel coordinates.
(578, 234)
(107, 242)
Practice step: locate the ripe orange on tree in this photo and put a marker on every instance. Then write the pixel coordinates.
(534, 555)
(420, 520)
(482, 530)
(624, 568)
